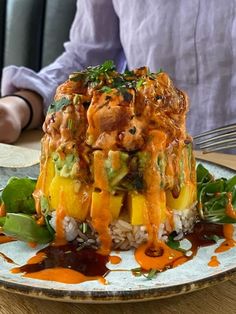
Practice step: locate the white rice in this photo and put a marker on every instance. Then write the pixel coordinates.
(70, 226)
(125, 236)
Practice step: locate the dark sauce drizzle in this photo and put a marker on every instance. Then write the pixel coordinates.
(90, 263)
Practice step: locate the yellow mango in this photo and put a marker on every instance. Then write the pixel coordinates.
(77, 200)
(116, 202)
(186, 197)
(46, 175)
(138, 210)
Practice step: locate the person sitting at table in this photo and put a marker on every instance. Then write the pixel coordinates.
(193, 41)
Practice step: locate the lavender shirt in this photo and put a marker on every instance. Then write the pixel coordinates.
(193, 40)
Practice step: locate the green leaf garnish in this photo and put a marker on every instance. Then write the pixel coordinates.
(58, 105)
(106, 89)
(213, 196)
(93, 74)
(25, 228)
(17, 195)
(70, 124)
(139, 83)
(151, 274)
(174, 244)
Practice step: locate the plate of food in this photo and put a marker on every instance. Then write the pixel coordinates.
(118, 210)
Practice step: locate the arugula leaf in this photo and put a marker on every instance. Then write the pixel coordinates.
(58, 105)
(231, 183)
(213, 197)
(25, 228)
(17, 195)
(203, 175)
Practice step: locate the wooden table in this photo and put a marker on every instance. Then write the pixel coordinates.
(216, 299)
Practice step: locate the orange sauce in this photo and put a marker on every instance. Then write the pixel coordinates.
(229, 242)
(6, 239)
(101, 220)
(67, 264)
(180, 261)
(100, 176)
(63, 275)
(168, 257)
(32, 244)
(155, 197)
(230, 211)
(113, 259)
(116, 160)
(2, 210)
(102, 281)
(60, 215)
(41, 221)
(214, 261)
(38, 258)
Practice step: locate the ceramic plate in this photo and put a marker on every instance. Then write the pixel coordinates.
(122, 285)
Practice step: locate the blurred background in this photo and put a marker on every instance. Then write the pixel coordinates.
(32, 32)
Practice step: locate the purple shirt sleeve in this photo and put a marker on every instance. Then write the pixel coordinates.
(94, 38)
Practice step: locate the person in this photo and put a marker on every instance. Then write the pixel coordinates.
(193, 41)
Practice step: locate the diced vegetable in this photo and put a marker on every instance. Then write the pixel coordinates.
(186, 199)
(77, 196)
(137, 207)
(116, 202)
(116, 167)
(65, 167)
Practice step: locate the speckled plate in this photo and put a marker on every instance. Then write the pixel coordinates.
(122, 285)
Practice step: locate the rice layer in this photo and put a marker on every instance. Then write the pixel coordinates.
(124, 235)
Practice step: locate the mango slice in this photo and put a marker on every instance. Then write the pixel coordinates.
(186, 199)
(78, 197)
(116, 202)
(138, 210)
(46, 175)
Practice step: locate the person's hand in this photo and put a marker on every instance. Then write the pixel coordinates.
(15, 114)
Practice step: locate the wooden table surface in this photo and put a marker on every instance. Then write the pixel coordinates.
(216, 299)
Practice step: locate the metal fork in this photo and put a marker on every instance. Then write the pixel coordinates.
(217, 139)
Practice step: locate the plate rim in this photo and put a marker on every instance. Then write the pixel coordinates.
(96, 297)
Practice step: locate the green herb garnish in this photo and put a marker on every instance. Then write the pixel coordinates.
(213, 196)
(139, 83)
(151, 274)
(17, 195)
(174, 244)
(106, 89)
(93, 74)
(70, 124)
(58, 105)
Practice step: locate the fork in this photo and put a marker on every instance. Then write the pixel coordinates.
(217, 139)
